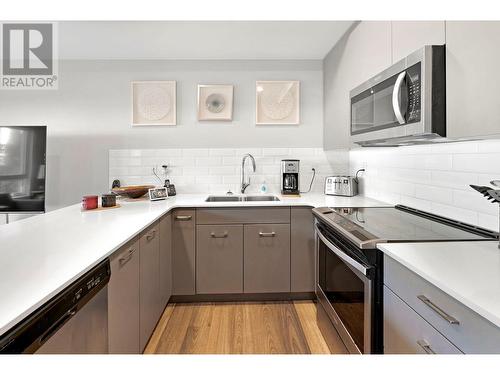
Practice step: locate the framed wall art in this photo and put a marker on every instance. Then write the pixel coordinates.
(154, 103)
(277, 103)
(215, 102)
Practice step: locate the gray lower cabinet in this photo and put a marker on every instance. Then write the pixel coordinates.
(302, 250)
(184, 252)
(124, 301)
(165, 259)
(150, 308)
(463, 327)
(266, 258)
(406, 332)
(219, 259)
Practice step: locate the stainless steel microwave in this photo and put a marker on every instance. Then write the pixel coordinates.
(405, 104)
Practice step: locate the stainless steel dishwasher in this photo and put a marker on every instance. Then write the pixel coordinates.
(75, 321)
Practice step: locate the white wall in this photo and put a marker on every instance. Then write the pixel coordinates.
(217, 170)
(433, 178)
(90, 114)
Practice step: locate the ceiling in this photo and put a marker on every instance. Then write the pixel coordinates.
(199, 39)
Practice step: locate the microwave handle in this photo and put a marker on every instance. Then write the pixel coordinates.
(396, 94)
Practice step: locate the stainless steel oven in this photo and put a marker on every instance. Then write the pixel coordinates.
(344, 289)
(349, 269)
(404, 104)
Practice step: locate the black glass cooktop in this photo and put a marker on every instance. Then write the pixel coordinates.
(401, 224)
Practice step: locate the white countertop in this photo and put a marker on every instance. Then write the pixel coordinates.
(41, 255)
(467, 271)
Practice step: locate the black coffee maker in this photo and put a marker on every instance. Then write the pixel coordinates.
(290, 177)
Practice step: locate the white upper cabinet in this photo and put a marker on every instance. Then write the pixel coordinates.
(360, 54)
(472, 79)
(408, 36)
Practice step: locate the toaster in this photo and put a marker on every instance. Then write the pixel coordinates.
(346, 186)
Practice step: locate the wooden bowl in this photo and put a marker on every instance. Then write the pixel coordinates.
(134, 192)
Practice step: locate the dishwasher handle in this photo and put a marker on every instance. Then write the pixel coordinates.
(57, 324)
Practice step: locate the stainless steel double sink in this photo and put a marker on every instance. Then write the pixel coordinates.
(242, 198)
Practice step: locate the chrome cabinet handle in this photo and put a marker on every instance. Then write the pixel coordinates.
(270, 234)
(127, 257)
(223, 235)
(396, 105)
(183, 217)
(151, 235)
(426, 346)
(438, 310)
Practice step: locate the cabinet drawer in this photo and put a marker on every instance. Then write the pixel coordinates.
(466, 329)
(247, 215)
(405, 332)
(219, 259)
(267, 258)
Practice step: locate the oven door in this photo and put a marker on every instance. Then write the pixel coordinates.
(344, 289)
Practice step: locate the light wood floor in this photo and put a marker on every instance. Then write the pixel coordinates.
(238, 328)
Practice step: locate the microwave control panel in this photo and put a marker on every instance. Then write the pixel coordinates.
(414, 93)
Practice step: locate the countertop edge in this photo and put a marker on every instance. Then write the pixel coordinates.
(492, 318)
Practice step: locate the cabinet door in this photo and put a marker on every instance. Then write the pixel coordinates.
(406, 332)
(165, 260)
(408, 36)
(149, 283)
(266, 258)
(183, 252)
(123, 301)
(361, 53)
(302, 255)
(219, 259)
(472, 79)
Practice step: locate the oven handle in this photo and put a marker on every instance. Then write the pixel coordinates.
(346, 258)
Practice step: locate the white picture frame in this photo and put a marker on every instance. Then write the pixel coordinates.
(277, 102)
(154, 103)
(215, 102)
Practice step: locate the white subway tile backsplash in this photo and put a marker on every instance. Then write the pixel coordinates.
(468, 199)
(433, 193)
(436, 177)
(231, 160)
(218, 170)
(196, 171)
(461, 214)
(223, 170)
(209, 161)
(455, 180)
(479, 163)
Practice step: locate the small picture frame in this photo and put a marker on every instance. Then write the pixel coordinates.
(277, 102)
(215, 102)
(154, 103)
(157, 194)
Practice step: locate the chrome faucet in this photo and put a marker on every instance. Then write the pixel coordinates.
(244, 183)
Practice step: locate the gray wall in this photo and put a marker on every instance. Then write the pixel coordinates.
(90, 114)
